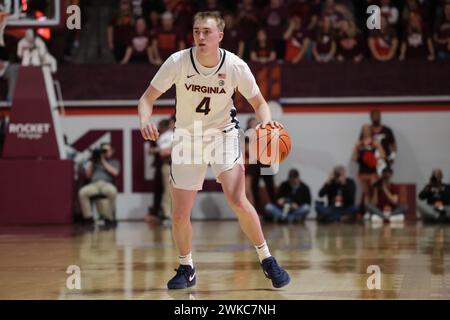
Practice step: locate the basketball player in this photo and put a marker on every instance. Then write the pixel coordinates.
(206, 77)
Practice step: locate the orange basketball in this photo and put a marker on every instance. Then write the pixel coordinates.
(273, 145)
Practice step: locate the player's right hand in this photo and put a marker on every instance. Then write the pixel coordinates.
(149, 131)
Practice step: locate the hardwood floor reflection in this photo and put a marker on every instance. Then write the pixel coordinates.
(135, 260)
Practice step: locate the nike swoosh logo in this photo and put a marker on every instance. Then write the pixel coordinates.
(190, 76)
(192, 277)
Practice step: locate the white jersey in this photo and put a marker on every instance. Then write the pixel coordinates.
(205, 94)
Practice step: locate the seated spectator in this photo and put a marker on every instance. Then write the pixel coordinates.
(366, 153)
(274, 19)
(138, 47)
(166, 40)
(383, 43)
(340, 192)
(297, 41)
(32, 51)
(416, 43)
(232, 40)
(102, 170)
(324, 45)
(442, 34)
(384, 136)
(435, 196)
(293, 200)
(120, 29)
(349, 42)
(385, 202)
(262, 50)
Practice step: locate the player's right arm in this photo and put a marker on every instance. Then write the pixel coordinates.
(166, 76)
(149, 130)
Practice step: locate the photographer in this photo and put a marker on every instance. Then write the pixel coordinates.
(293, 200)
(340, 192)
(435, 196)
(385, 202)
(102, 170)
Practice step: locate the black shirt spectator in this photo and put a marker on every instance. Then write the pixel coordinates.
(138, 48)
(435, 196)
(416, 41)
(340, 192)
(349, 42)
(293, 200)
(324, 44)
(120, 29)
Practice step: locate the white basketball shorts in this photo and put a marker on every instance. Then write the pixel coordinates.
(192, 155)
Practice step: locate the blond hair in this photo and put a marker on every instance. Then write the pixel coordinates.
(215, 15)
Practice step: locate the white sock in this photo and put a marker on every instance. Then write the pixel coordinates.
(186, 260)
(263, 251)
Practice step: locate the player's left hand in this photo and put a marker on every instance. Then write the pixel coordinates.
(273, 124)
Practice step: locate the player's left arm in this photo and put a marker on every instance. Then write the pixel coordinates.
(262, 111)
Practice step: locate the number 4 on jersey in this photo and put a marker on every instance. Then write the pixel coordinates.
(205, 103)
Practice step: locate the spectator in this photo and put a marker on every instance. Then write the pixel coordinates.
(293, 200)
(307, 11)
(262, 50)
(33, 52)
(365, 154)
(232, 40)
(416, 42)
(166, 40)
(102, 170)
(384, 136)
(274, 18)
(385, 203)
(324, 45)
(340, 192)
(164, 142)
(138, 47)
(297, 41)
(383, 43)
(349, 42)
(442, 34)
(435, 196)
(247, 22)
(120, 29)
(389, 12)
(411, 7)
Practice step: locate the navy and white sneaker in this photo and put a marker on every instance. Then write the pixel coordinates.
(185, 278)
(274, 272)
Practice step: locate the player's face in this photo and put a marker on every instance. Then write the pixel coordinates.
(206, 35)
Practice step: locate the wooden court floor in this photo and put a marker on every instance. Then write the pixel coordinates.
(135, 260)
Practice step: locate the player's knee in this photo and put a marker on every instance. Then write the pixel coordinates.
(180, 218)
(238, 203)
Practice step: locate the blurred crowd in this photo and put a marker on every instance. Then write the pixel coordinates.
(290, 31)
